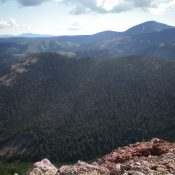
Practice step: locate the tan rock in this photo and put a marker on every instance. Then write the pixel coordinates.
(43, 167)
(150, 158)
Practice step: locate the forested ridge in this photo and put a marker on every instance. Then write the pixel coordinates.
(156, 40)
(67, 109)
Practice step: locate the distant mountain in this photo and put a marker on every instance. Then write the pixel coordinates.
(26, 35)
(32, 35)
(150, 38)
(147, 27)
(6, 36)
(86, 39)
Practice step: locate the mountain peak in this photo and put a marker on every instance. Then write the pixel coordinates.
(148, 27)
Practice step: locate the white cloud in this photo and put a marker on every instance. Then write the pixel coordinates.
(162, 7)
(106, 6)
(29, 2)
(74, 27)
(11, 23)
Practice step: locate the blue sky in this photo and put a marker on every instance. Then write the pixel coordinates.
(71, 17)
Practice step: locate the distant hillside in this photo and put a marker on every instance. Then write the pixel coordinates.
(26, 35)
(33, 35)
(67, 109)
(150, 39)
(5, 36)
(148, 27)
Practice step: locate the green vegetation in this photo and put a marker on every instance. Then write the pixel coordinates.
(20, 168)
(67, 109)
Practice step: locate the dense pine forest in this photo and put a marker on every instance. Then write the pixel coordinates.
(67, 109)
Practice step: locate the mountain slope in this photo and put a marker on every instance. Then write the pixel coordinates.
(33, 35)
(156, 40)
(148, 27)
(26, 35)
(68, 109)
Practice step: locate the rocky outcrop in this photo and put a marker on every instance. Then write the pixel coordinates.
(154, 157)
(43, 168)
(83, 168)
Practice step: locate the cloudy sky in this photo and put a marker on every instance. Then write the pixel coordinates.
(70, 17)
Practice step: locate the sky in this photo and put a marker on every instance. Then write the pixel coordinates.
(73, 17)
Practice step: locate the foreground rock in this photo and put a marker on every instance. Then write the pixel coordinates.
(43, 168)
(151, 158)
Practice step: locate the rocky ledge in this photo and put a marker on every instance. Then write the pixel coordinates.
(156, 157)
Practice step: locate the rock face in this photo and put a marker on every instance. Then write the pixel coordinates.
(43, 168)
(153, 157)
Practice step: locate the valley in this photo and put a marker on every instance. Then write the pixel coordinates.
(84, 107)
